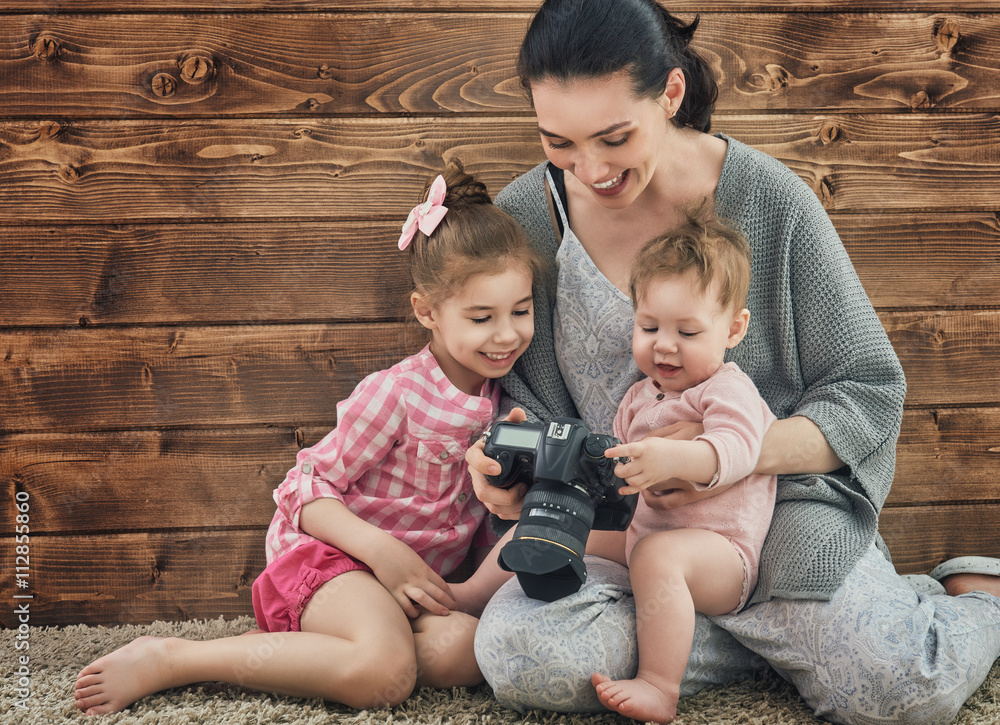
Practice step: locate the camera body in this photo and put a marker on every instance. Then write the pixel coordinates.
(572, 490)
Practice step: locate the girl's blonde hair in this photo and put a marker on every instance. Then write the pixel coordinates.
(475, 237)
(706, 244)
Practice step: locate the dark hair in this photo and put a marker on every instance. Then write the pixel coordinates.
(570, 39)
(714, 249)
(475, 237)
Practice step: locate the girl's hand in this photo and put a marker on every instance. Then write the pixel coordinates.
(505, 503)
(410, 581)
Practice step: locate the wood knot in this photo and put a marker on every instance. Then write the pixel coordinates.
(946, 36)
(196, 69)
(777, 78)
(46, 48)
(69, 174)
(164, 85)
(49, 130)
(921, 101)
(324, 72)
(829, 133)
(312, 104)
(825, 191)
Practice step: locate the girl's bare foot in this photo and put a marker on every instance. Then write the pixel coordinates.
(115, 681)
(637, 699)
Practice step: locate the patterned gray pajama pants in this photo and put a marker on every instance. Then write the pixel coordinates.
(884, 649)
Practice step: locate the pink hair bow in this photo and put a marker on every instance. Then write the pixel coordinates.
(426, 216)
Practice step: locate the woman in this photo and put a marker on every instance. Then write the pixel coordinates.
(624, 109)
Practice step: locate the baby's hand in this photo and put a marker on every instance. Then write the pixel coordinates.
(410, 581)
(643, 464)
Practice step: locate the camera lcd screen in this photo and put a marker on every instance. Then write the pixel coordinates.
(517, 437)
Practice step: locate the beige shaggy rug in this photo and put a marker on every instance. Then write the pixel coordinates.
(58, 654)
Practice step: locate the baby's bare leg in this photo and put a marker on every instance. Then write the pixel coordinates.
(356, 648)
(673, 574)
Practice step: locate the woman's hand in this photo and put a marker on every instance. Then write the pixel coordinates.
(665, 499)
(405, 575)
(505, 503)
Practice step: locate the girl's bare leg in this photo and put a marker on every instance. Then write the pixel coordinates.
(674, 574)
(445, 653)
(356, 648)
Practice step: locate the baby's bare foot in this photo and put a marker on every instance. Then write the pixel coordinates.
(964, 583)
(637, 699)
(115, 681)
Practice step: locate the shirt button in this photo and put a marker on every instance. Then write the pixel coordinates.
(307, 468)
(462, 496)
(659, 396)
(443, 455)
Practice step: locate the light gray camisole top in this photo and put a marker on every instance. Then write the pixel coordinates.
(592, 327)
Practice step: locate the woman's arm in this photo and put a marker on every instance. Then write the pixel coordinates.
(796, 445)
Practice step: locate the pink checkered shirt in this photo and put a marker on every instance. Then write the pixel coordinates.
(397, 460)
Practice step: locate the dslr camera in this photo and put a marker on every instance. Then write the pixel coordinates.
(572, 490)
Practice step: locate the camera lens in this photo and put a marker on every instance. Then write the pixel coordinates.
(549, 542)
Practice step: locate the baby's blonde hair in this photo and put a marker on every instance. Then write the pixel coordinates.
(704, 243)
(474, 238)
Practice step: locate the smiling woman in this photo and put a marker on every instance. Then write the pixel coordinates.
(624, 124)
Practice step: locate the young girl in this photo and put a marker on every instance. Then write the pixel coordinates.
(353, 606)
(689, 289)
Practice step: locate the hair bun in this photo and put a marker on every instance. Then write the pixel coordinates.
(463, 188)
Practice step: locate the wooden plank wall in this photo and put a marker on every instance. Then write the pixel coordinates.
(198, 206)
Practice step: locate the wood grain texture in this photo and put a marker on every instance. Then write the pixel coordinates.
(142, 577)
(925, 260)
(93, 379)
(132, 481)
(196, 201)
(100, 66)
(100, 379)
(201, 273)
(463, 6)
(947, 355)
(132, 578)
(947, 456)
(169, 274)
(921, 537)
(111, 171)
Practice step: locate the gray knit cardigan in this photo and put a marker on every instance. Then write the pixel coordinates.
(815, 348)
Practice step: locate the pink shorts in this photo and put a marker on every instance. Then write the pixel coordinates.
(283, 589)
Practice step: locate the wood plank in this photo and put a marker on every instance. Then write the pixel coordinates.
(947, 455)
(98, 66)
(101, 379)
(921, 537)
(925, 260)
(119, 171)
(885, 163)
(129, 481)
(136, 578)
(201, 273)
(113, 378)
(460, 6)
(132, 481)
(142, 577)
(947, 355)
(345, 271)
